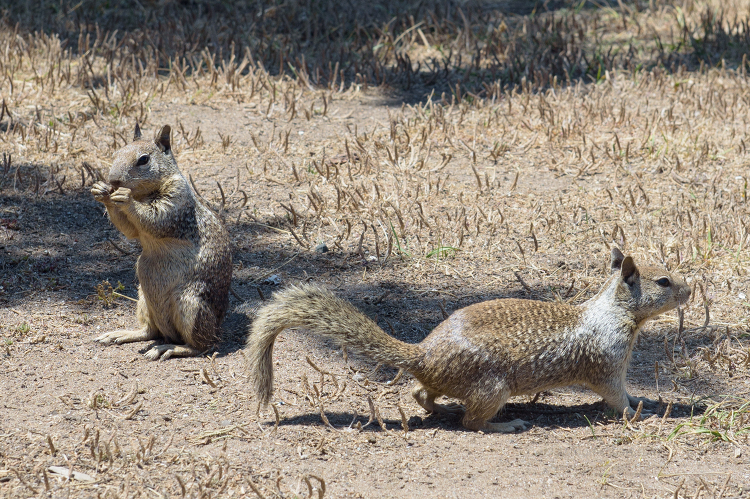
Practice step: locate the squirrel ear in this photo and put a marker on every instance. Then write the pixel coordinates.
(137, 133)
(615, 262)
(162, 139)
(629, 271)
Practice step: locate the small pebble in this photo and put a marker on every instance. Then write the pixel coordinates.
(273, 280)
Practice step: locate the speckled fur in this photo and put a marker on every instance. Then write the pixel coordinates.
(487, 352)
(185, 268)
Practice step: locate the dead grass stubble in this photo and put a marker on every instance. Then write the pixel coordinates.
(547, 139)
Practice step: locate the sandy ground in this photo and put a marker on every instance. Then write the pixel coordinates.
(426, 206)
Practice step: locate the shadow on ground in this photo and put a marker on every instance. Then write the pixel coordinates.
(539, 415)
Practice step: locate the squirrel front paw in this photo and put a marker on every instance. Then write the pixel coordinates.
(101, 191)
(121, 196)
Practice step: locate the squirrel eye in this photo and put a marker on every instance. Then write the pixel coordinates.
(663, 282)
(143, 160)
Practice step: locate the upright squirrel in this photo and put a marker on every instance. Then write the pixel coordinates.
(484, 353)
(185, 268)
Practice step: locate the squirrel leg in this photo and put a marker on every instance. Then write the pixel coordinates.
(163, 352)
(127, 336)
(148, 332)
(120, 220)
(617, 398)
(426, 398)
(101, 192)
(509, 427)
(195, 323)
(481, 407)
(647, 402)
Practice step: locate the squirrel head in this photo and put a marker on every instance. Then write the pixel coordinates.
(142, 165)
(646, 291)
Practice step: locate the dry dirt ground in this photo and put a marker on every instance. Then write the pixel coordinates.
(426, 202)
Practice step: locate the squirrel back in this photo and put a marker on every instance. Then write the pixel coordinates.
(484, 353)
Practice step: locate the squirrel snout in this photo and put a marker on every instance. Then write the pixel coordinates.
(684, 294)
(115, 183)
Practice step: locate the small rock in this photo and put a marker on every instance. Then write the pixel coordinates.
(65, 472)
(321, 248)
(273, 280)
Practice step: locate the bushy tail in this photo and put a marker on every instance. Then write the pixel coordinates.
(320, 311)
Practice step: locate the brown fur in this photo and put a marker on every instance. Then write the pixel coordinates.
(487, 352)
(185, 268)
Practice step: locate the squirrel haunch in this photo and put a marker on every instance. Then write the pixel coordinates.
(485, 353)
(185, 268)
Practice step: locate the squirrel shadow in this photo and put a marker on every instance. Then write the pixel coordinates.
(234, 330)
(538, 414)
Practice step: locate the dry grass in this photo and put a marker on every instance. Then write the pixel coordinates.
(511, 147)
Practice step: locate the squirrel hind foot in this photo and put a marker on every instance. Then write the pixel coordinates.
(647, 402)
(630, 413)
(509, 427)
(127, 336)
(166, 351)
(425, 397)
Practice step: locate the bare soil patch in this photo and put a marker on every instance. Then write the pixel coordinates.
(430, 189)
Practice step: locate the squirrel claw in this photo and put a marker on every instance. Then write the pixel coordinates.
(101, 190)
(121, 196)
(109, 338)
(643, 415)
(509, 427)
(120, 337)
(159, 352)
(647, 403)
(167, 351)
